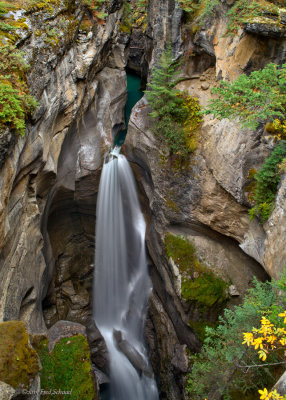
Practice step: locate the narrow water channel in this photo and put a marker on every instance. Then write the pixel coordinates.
(134, 94)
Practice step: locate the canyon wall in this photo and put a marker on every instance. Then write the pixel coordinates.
(49, 178)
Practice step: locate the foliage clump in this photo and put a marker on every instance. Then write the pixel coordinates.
(67, 367)
(94, 6)
(241, 12)
(250, 10)
(225, 367)
(266, 181)
(177, 115)
(277, 128)
(255, 98)
(19, 363)
(15, 101)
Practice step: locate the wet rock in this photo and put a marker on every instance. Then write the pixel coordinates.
(180, 360)
(271, 29)
(136, 49)
(164, 26)
(100, 376)
(135, 358)
(203, 41)
(162, 341)
(98, 349)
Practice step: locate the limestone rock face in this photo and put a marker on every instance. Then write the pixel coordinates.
(164, 26)
(230, 152)
(275, 228)
(186, 200)
(163, 343)
(248, 49)
(6, 391)
(205, 200)
(54, 167)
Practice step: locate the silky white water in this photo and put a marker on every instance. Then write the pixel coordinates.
(121, 284)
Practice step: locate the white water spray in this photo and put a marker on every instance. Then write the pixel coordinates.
(122, 285)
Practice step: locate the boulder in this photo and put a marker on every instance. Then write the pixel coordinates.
(64, 329)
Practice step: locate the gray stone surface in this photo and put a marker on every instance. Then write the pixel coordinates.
(6, 391)
(47, 162)
(280, 386)
(64, 329)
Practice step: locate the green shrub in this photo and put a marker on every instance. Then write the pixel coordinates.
(266, 183)
(255, 98)
(222, 367)
(127, 17)
(241, 12)
(177, 115)
(94, 6)
(207, 9)
(15, 101)
(247, 10)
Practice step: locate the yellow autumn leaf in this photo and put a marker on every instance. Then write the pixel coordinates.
(257, 343)
(262, 355)
(276, 395)
(248, 338)
(283, 315)
(264, 394)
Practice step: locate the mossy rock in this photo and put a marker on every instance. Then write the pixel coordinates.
(198, 282)
(19, 362)
(205, 292)
(67, 368)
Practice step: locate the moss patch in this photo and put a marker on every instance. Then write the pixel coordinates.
(198, 283)
(19, 363)
(67, 368)
(205, 292)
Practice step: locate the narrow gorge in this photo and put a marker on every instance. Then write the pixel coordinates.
(76, 156)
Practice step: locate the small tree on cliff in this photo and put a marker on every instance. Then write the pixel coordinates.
(175, 112)
(259, 97)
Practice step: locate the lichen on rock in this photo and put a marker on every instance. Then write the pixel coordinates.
(19, 362)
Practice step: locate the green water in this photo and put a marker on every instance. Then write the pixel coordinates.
(133, 95)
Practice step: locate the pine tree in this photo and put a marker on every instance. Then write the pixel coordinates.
(170, 107)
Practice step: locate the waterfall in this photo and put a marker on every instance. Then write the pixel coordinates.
(121, 284)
